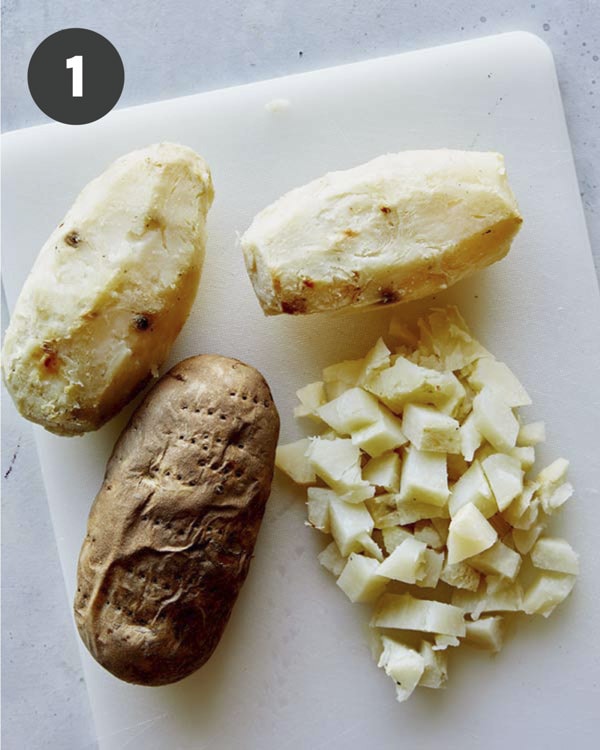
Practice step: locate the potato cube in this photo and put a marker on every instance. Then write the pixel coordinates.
(490, 373)
(554, 490)
(291, 459)
(411, 511)
(318, 508)
(546, 592)
(443, 642)
(461, 576)
(524, 539)
(469, 534)
(359, 579)
(394, 536)
(406, 563)
(384, 471)
(404, 665)
(495, 420)
(450, 338)
(378, 358)
(532, 434)
(348, 521)
(406, 382)
(331, 559)
(424, 477)
(352, 410)
(520, 504)
(497, 560)
(435, 672)
(487, 633)
(426, 532)
(337, 462)
(347, 372)
(551, 553)
(380, 436)
(525, 455)
(434, 562)
(505, 477)
(472, 488)
(404, 612)
(311, 397)
(430, 430)
(470, 437)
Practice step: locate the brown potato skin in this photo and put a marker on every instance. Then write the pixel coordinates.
(171, 533)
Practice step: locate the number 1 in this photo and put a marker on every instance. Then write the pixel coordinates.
(76, 64)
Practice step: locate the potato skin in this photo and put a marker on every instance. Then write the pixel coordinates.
(171, 533)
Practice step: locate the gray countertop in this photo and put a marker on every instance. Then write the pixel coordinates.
(177, 48)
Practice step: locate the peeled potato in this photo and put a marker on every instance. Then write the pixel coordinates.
(395, 229)
(110, 290)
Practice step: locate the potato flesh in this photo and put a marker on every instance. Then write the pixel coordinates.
(465, 519)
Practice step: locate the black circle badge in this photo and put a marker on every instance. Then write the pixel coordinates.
(76, 76)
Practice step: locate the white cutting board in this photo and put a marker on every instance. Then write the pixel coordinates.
(293, 671)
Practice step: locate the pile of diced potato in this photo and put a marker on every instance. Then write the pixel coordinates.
(420, 476)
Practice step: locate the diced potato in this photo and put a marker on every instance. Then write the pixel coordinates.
(490, 373)
(337, 462)
(430, 430)
(384, 471)
(495, 420)
(425, 532)
(434, 562)
(505, 477)
(318, 508)
(461, 576)
(334, 389)
(331, 559)
(394, 536)
(424, 477)
(442, 526)
(378, 358)
(406, 382)
(525, 455)
(347, 372)
(470, 437)
(311, 397)
(546, 592)
(404, 612)
(472, 488)
(487, 633)
(508, 599)
(355, 408)
(443, 642)
(532, 434)
(380, 436)
(403, 332)
(382, 509)
(520, 504)
(469, 534)
(369, 546)
(450, 338)
(359, 579)
(435, 672)
(406, 563)
(497, 560)
(404, 665)
(524, 539)
(348, 521)
(291, 459)
(411, 511)
(551, 553)
(455, 397)
(554, 490)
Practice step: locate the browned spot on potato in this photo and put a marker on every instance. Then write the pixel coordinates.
(49, 359)
(389, 295)
(308, 283)
(277, 284)
(385, 209)
(350, 233)
(73, 239)
(142, 322)
(294, 306)
(151, 223)
(90, 315)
